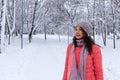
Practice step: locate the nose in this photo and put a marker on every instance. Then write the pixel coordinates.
(78, 31)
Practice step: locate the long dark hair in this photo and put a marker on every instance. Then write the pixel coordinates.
(87, 40)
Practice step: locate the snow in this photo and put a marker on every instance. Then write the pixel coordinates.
(44, 59)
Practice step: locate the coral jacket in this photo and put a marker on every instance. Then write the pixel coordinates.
(94, 69)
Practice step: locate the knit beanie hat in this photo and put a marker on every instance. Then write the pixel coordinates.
(87, 26)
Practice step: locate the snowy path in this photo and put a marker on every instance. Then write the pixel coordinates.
(38, 60)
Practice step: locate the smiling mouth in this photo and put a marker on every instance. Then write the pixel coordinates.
(78, 35)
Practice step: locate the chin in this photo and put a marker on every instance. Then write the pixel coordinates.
(78, 37)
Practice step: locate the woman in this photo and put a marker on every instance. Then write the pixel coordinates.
(83, 58)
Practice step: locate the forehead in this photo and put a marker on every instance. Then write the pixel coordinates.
(78, 27)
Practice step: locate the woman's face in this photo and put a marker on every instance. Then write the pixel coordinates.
(78, 33)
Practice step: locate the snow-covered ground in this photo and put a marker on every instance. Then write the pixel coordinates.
(44, 60)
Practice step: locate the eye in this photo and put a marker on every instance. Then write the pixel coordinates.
(77, 28)
(80, 29)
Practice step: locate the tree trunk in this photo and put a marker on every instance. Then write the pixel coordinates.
(21, 32)
(113, 16)
(3, 28)
(68, 34)
(94, 22)
(33, 20)
(45, 31)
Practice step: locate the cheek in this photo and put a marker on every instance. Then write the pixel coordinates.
(75, 33)
(81, 32)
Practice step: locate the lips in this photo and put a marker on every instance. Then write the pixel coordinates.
(78, 35)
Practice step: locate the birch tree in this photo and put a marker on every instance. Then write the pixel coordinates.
(11, 28)
(3, 27)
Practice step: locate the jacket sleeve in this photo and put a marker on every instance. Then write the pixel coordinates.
(66, 64)
(97, 62)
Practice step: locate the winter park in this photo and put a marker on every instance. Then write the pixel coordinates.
(35, 34)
